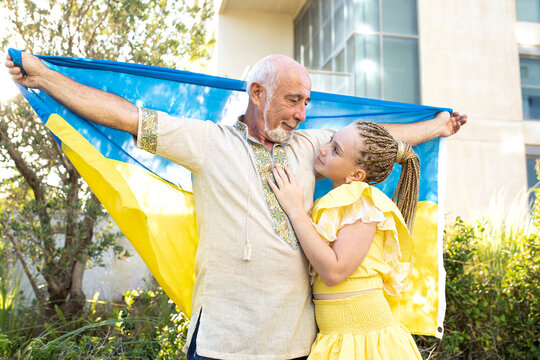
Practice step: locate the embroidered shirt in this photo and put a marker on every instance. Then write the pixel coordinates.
(265, 161)
(256, 309)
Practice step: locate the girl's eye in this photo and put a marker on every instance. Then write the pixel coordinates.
(334, 150)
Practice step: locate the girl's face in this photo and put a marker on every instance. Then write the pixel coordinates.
(337, 159)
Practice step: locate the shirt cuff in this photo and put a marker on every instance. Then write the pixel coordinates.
(148, 130)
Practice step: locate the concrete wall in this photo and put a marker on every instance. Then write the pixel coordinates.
(245, 36)
(470, 61)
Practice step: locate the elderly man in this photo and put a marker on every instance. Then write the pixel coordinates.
(252, 297)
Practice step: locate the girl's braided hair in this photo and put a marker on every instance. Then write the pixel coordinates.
(377, 157)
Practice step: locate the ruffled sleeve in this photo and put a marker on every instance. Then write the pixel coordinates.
(359, 201)
(333, 219)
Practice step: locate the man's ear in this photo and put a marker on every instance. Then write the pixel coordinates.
(357, 175)
(256, 93)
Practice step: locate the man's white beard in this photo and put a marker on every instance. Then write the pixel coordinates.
(277, 135)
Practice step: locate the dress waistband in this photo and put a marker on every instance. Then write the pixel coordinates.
(351, 284)
(356, 314)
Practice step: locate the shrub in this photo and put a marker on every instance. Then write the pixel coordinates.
(146, 326)
(492, 290)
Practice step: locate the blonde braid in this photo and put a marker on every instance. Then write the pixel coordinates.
(377, 157)
(406, 194)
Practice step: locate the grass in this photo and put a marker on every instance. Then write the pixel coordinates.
(501, 228)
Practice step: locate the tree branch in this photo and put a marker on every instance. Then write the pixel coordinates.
(29, 175)
(93, 36)
(72, 198)
(29, 275)
(63, 158)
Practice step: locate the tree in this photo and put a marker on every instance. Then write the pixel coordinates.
(48, 213)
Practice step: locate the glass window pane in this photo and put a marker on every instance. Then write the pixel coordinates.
(528, 10)
(326, 10)
(349, 24)
(531, 103)
(366, 16)
(307, 56)
(339, 26)
(297, 43)
(400, 66)
(327, 40)
(350, 55)
(530, 71)
(340, 61)
(367, 71)
(530, 82)
(328, 66)
(305, 28)
(532, 179)
(315, 16)
(399, 17)
(316, 52)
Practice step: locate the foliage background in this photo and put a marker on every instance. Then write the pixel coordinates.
(49, 219)
(492, 264)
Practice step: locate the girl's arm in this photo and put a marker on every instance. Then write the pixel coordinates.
(443, 124)
(333, 264)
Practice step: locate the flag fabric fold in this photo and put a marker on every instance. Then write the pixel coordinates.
(150, 197)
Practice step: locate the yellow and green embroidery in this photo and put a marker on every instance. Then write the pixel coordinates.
(149, 130)
(265, 161)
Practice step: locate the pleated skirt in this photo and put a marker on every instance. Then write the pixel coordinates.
(360, 327)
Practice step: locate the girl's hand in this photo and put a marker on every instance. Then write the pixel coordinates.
(287, 191)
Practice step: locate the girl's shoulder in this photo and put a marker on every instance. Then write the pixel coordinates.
(349, 203)
(353, 194)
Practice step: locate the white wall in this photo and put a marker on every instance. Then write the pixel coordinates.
(111, 281)
(469, 61)
(245, 36)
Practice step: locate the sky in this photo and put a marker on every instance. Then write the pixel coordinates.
(7, 88)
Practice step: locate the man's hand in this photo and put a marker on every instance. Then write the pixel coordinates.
(450, 124)
(33, 67)
(89, 103)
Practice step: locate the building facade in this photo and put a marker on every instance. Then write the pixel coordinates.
(481, 57)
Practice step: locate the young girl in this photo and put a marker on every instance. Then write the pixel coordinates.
(357, 242)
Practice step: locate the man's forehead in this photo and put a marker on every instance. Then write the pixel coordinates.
(295, 87)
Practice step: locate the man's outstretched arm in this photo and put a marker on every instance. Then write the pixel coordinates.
(90, 103)
(442, 125)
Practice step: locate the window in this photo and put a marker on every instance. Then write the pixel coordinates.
(532, 155)
(374, 40)
(530, 87)
(528, 10)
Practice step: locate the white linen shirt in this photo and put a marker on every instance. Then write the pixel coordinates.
(259, 307)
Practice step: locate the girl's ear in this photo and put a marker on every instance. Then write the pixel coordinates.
(358, 175)
(256, 91)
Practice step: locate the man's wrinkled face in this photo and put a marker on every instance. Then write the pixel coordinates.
(285, 108)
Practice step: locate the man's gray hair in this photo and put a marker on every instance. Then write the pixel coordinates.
(265, 72)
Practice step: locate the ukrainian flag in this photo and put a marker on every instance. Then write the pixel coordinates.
(149, 197)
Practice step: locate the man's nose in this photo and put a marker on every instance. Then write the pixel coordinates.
(300, 113)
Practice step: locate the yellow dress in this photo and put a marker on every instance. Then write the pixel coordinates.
(363, 326)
